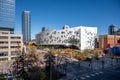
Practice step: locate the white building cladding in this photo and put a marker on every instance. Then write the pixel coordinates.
(85, 36)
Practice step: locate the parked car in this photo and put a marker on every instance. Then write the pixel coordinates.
(9, 77)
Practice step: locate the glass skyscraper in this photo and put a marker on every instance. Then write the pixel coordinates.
(7, 13)
(112, 30)
(26, 26)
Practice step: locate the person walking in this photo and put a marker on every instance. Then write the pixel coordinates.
(103, 62)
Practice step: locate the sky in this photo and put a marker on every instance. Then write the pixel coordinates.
(54, 14)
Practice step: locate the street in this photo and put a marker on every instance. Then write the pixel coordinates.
(82, 71)
(112, 74)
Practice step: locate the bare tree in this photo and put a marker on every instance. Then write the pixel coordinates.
(50, 61)
(26, 64)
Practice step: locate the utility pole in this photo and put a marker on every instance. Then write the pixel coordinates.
(50, 66)
(115, 33)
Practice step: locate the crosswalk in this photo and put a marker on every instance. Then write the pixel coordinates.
(87, 76)
(90, 75)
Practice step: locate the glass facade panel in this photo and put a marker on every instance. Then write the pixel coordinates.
(15, 37)
(7, 13)
(3, 37)
(15, 46)
(3, 53)
(3, 42)
(13, 53)
(15, 42)
(13, 58)
(3, 47)
(3, 59)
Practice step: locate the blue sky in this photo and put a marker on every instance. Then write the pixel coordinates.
(54, 14)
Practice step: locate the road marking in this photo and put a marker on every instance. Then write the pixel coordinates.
(101, 72)
(92, 75)
(87, 76)
(97, 73)
(82, 78)
(114, 71)
(75, 78)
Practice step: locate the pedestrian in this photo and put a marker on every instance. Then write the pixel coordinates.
(89, 65)
(102, 64)
(112, 60)
(116, 59)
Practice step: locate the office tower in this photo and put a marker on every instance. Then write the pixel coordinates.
(7, 13)
(8, 40)
(112, 30)
(44, 29)
(26, 26)
(118, 32)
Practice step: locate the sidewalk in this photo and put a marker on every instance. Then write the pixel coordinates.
(76, 69)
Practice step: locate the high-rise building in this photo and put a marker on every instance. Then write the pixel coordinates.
(26, 26)
(44, 28)
(7, 13)
(112, 30)
(118, 32)
(8, 41)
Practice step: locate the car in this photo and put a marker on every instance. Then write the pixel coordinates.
(9, 77)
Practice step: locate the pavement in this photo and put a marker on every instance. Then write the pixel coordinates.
(82, 71)
(106, 74)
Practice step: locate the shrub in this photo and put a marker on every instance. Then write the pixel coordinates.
(2, 77)
(80, 57)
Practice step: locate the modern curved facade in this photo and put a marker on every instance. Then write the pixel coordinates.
(26, 26)
(85, 36)
(7, 13)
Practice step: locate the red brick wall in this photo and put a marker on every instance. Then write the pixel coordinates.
(112, 40)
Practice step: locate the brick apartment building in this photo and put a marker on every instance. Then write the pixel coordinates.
(107, 41)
